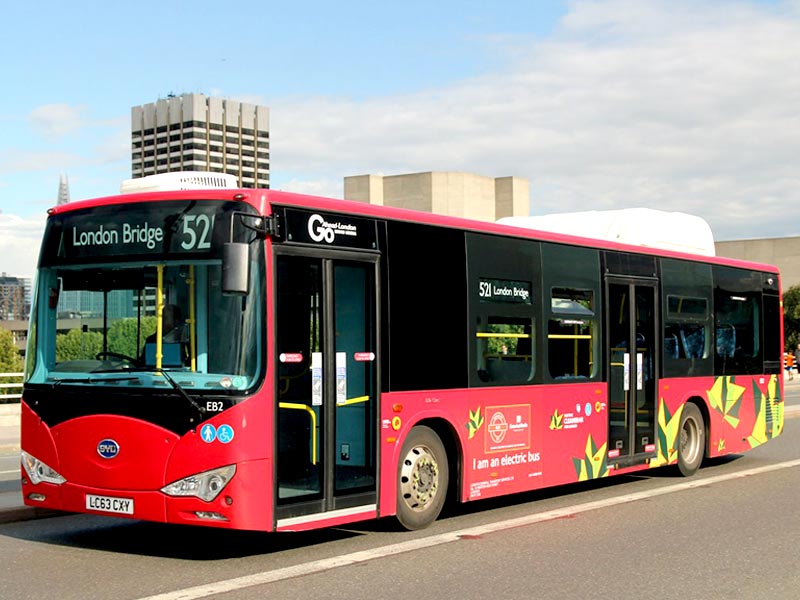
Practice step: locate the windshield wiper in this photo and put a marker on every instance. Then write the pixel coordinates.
(93, 380)
(177, 387)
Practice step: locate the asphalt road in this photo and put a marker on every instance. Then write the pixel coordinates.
(729, 532)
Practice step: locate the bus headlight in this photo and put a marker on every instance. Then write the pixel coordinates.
(206, 485)
(38, 471)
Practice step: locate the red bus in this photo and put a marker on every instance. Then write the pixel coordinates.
(261, 360)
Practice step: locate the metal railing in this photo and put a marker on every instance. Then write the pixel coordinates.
(10, 386)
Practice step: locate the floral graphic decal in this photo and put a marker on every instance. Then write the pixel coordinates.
(593, 464)
(769, 414)
(475, 422)
(556, 421)
(724, 397)
(668, 426)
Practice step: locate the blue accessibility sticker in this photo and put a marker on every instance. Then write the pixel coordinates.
(208, 433)
(225, 434)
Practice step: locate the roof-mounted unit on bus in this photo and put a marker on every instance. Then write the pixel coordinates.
(647, 227)
(179, 180)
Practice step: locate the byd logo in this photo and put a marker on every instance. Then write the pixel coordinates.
(108, 448)
(319, 230)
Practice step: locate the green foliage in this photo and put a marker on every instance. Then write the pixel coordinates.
(791, 318)
(10, 362)
(78, 345)
(122, 335)
(10, 359)
(503, 345)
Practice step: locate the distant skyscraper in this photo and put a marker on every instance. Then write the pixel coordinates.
(63, 189)
(193, 132)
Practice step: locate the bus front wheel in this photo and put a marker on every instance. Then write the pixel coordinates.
(422, 479)
(691, 441)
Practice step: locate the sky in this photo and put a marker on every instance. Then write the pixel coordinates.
(680, 105)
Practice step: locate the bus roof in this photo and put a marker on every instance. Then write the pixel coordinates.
(262, 199)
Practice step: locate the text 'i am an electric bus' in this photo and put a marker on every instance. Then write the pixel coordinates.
(261, 360)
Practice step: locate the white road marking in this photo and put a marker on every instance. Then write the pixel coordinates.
(318, 566)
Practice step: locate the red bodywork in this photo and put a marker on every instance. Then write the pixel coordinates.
(506, 439)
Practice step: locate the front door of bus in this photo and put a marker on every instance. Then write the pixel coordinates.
(326, 383)
(632, 369)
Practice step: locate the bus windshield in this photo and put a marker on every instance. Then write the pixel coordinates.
(123, 322)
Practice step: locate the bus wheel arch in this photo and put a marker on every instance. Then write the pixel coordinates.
(427, 465)
(692, 438)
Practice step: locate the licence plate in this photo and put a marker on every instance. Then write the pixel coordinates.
(109, 504)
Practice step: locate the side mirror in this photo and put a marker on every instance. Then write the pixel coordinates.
(235, 268)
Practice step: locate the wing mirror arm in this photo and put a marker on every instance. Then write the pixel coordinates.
(236, 255)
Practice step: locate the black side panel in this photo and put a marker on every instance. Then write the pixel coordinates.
(630, 265)
(427, 308)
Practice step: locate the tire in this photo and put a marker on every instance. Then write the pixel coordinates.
(691, 440)
(422, 478)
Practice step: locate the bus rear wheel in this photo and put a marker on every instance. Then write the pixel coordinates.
(423, 477)
(691, 440)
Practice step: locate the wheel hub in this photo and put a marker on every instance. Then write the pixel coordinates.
(419, 478)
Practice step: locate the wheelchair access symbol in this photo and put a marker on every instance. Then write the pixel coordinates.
(225, 434)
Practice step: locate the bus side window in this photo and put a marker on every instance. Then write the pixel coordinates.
(571, 334)
(505, 350)
(687, 319)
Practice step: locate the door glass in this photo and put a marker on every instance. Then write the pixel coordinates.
(300, 386)
(632, 368)
(619, 331)
(645, 375)
(355, 376)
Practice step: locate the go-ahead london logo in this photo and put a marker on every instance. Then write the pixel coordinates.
(320, 230)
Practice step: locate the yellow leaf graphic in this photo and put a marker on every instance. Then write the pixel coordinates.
(724, 397)
(667, 434)
(475, 422)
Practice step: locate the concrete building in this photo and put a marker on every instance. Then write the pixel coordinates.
(445, 193)
(783, 252)
(13, 293)
(193, 132)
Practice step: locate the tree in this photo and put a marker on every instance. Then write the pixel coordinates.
(78, 345)
(123, 333)
(10, 362)
(10, 359)
(791, 318)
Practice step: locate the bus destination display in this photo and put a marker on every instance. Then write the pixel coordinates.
(504, 290)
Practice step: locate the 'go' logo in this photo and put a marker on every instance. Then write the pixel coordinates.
(319, 230)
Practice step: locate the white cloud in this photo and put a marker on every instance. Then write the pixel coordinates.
(25, 161)
(57, 120)
(328, 188)
(19, 244)
(672, 104)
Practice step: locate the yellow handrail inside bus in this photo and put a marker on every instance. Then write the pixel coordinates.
(354, 400)
(159, 313)
(313, 416)
(192, 330)
(482, 334)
